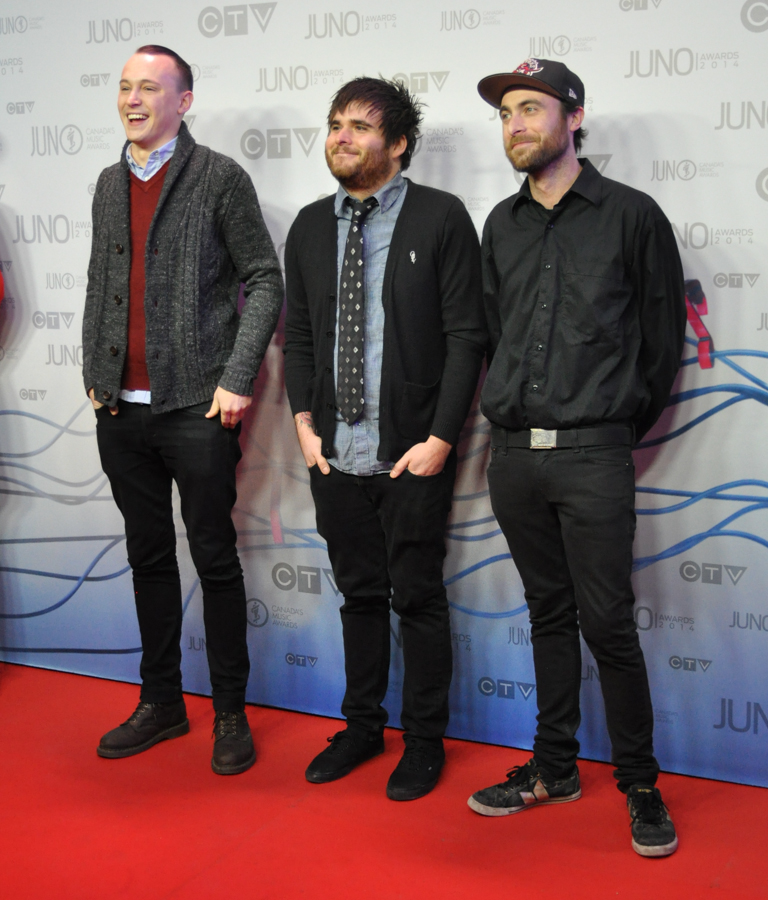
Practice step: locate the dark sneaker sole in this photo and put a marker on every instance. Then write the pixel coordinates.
(484, 810)
(315, 777)
(654, 851)
(234, 769)
(176, 731)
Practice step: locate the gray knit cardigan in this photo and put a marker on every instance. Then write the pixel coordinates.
(206, 237)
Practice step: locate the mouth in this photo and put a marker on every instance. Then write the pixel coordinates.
(135, 118)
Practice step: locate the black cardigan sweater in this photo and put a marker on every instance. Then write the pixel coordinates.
(434, 331)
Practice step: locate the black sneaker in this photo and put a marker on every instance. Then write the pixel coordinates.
(233, 750)
(149, 724)
(526, 786)
(346, 750)
(653, 833)
(417, 772)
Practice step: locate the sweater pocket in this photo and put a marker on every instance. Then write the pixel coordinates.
(417, 409)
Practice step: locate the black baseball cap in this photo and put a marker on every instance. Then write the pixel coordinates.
(545, 75)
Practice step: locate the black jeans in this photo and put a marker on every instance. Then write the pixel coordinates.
(386, 536)
(142, 454)
(569, 520)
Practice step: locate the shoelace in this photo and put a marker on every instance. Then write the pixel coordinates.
(338, 741)
(137, 713)
(414, 758)
(225, 723)
(647, 807)
(520, 774)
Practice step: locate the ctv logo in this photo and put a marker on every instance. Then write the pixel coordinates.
(32, 394)
(233, 19)
(630, 5)
(296, 659)
(20, 109)
(710, 573)
(306, 579)
(735, 279)
(277, 143)
(418, 82)
(96, 80)
(504, 689)
(689, 664)
(52, 320)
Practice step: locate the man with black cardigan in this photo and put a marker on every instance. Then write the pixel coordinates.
(384, 339)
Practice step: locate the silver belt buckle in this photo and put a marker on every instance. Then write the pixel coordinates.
(541, 439)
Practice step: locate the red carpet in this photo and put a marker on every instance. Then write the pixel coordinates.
(162, 825)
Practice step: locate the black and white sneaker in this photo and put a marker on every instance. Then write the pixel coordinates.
(653, 833)
(526, 786)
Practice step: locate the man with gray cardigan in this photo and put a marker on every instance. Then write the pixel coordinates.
(169, 367)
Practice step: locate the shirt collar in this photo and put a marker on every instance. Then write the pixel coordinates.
(157, 159)
(386, 195)
(588, 184)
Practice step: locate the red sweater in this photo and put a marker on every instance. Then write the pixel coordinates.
(144, 197)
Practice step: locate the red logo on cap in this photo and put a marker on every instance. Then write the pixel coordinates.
(531, 66)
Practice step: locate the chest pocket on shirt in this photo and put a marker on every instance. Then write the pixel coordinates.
(592, 308)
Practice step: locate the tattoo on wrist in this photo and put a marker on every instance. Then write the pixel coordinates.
(305, 419)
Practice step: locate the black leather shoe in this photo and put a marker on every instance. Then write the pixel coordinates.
(149, 724)
(233, 750)
(346, 750)
(417, 772)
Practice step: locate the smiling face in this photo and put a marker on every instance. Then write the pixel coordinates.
(356, 151)
(537, 132)
(151, 102)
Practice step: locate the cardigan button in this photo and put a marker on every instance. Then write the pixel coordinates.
(119, 248)
(107, 395)
(113, 351)
(328, 370)
(329, 334)
(156, 251)
(118, 299)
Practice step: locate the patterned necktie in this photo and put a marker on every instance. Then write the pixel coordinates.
(349, 383)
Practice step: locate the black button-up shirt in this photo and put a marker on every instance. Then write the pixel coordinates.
(585, 306)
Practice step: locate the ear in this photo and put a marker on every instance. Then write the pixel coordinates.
(185, 101)
(398, 148)
(575, 119)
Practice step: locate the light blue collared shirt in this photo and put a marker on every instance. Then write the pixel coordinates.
(356, 445)
(157, 159)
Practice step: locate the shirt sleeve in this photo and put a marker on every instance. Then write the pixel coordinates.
(660, 287)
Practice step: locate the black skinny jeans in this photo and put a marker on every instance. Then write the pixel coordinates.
(142, 454)
(569, 520)
(386, 536)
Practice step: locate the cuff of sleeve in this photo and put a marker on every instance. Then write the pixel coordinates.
(446, 430)
(237, 383)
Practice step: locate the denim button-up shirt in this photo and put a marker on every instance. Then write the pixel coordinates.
(357, 445)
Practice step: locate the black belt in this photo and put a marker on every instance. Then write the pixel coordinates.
(543, 439)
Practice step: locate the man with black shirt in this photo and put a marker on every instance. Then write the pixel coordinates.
(584, 297)
(169, 367)
(380, 381)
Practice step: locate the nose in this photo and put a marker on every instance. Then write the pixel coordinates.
(343, 136)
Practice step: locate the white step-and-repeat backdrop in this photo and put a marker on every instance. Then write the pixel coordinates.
(676, 106)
